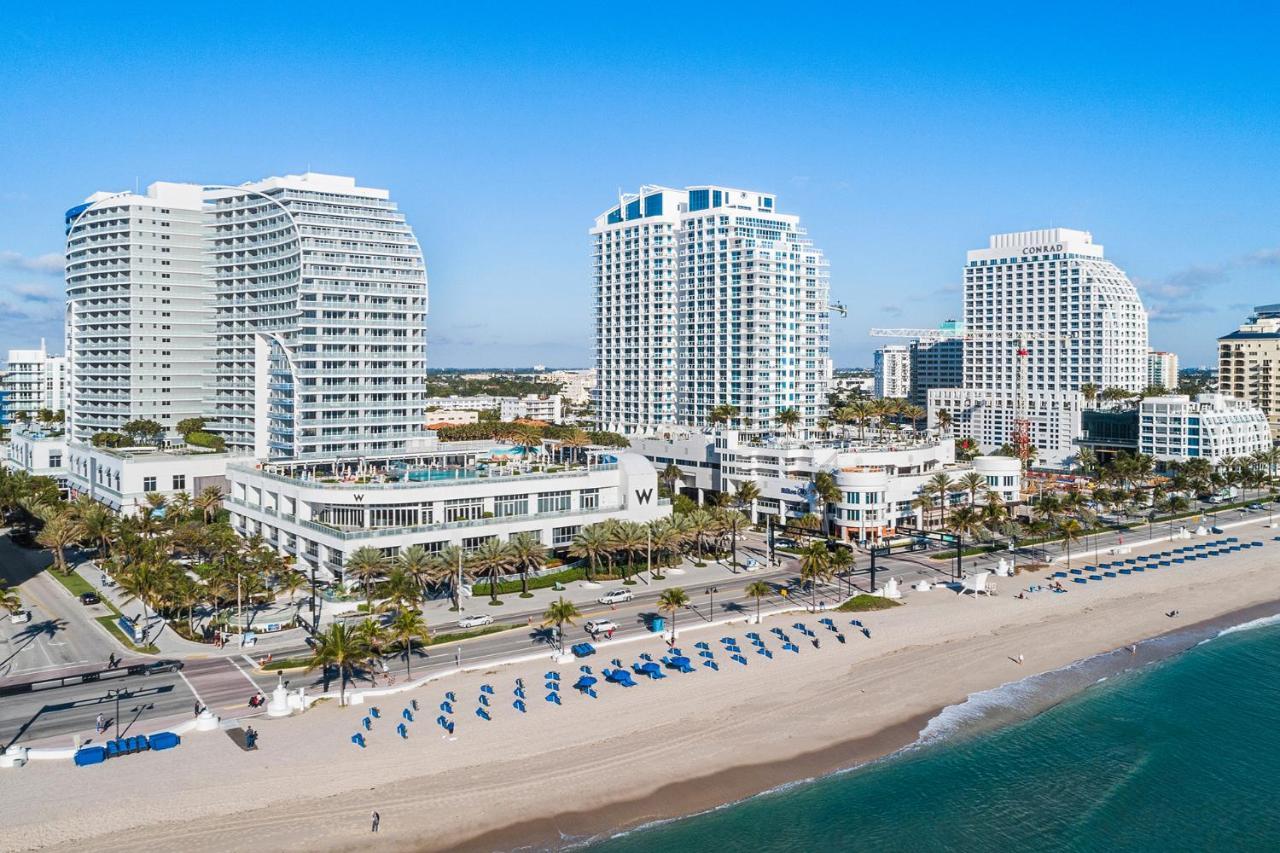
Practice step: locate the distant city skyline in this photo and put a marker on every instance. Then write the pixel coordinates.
(899, 146)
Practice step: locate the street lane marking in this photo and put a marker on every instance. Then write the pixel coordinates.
(245, 674)
(190, 686)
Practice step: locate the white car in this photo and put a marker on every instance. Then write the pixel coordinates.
(475, 621)
(601, 626)
(20, 616)
(615, 596)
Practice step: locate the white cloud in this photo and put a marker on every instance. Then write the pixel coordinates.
(49, 264)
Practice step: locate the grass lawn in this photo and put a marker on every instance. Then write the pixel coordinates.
(73, 582)
(440, 639)
(567, 576)
(109, 622)
(862, 603)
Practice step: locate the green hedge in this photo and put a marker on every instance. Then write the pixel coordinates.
(547, 581)
(206, 440)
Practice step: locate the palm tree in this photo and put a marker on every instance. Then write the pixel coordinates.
(1173, 505)
(746, 494)
(339, 647)
(939, 486)
(365, 565)
(415, 562)
(140, 581)
(943, 419)
(575, 441)
(758, 590)
(450, 567)
(860, 411)
(494, 559)
(671, 601)
(1010, 529)
(971, 483)
(400, 590)
(61, 530)
(966, 523)
(787, 419)
(629, 539)
(841, 561)
(208, 502)
(815, 561)
(407, 626)
(528, 555)
(1090, 392)
(1070, 530)
(671, 475)
(827, 491)
(10, 599)
(592, 542)
(558, 613)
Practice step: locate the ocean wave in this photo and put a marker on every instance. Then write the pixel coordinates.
(1251, 625)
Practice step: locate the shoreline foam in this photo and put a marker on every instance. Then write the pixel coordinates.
(984, 708)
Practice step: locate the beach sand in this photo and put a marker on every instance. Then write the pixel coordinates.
(658, 750)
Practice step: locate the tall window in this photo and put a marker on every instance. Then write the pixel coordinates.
(148, 484)
(504, 507)
(466, 509)
(553, 502)
(590, 499)
(179, 481)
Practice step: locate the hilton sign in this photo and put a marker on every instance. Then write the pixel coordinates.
(1042, 250)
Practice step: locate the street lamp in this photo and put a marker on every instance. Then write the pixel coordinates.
(711, 607)
(116, 693)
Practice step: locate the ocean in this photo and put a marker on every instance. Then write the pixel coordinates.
(1178, 753)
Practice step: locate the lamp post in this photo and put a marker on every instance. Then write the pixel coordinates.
(711, 607)
(116, 693)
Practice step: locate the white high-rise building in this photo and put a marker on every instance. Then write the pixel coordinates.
(288, 312)
(1162, 369)
(707, 296)
(35, 380)
(139, 321)
(1081, 319)
(321, 318)
(893, 372)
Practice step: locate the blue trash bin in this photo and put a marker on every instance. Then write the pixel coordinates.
(658, 625)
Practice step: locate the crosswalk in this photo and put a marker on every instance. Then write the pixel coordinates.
(221, 684)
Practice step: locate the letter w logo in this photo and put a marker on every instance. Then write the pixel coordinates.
(644, 495)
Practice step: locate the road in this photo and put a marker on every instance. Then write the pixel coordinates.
(61, 632)
(224, 683)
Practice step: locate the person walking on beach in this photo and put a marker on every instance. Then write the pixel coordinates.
(377, 819)
(1019, 660)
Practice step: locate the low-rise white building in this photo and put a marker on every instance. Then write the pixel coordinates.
(38, 452)
(35, 380)
(878, 479)
(457, 493)
(1212, 426)
(532, 407)
(451, 417)
(121, 478)
(544, 407)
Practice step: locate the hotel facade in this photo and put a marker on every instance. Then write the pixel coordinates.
(451, 493)
(705, 297)
(878, 479)
(1080, 319)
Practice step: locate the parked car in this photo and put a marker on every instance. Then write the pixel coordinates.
(87, 598)
(1257, 506)
(615, 596)
(20, 616)
(23, 539)
(475, 621)
(601, 626)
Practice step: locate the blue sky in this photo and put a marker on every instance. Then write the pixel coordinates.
(901, 140)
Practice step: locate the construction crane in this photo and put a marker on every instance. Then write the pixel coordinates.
(1021, 438)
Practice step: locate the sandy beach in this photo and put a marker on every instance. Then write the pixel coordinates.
(660, 749)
